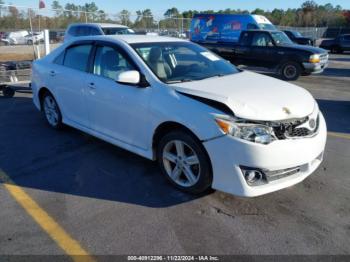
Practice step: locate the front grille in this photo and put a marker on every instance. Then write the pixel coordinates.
(278, 174)
(324, 58)
(294, 129)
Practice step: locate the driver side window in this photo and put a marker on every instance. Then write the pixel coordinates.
(110, 63)
(262, 39)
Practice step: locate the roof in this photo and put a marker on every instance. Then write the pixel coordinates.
(104, 25)
(133, 39)
(262, 30)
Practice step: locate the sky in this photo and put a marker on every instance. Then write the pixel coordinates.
(158, 7)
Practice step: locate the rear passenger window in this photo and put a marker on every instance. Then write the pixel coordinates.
(77, 57)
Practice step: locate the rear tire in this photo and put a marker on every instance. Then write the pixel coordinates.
(184, 162)
(51, 111)
(290, 71)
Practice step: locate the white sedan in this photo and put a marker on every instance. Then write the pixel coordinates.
(207, 123)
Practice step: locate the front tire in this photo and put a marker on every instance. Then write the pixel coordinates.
(51, 111)
(184, 161)
(290, 71)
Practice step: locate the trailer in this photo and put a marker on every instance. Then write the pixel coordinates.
(14, 75)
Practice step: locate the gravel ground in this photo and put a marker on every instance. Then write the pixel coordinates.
(114, 202)
(20, 52)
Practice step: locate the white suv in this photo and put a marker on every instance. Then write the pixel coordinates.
(88, 29)
(207, 123)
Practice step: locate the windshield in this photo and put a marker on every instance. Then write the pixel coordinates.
(281, 38)
(117, 31)
(182, 61)
(267, 27)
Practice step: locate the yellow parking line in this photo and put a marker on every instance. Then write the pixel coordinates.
(339, 135)
(70, 246)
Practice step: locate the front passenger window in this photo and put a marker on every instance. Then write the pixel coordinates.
(110, 63)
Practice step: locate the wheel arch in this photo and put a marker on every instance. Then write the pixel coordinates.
(41, 93)
(166, 127)
(163, 129)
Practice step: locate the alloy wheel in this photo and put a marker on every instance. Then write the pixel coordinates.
(181, 163)
(51, 111)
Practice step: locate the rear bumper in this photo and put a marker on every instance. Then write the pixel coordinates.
(229, 154)
(36, 100)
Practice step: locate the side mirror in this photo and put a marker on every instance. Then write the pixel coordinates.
(134, 78)
(131, 77)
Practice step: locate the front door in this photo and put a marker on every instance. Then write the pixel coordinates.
(116, 110)
(263, 50)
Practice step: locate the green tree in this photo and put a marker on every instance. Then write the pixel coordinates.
(57, 7)
(307, 16)
(258, 11)
(124, 17)
(91, 11)
(144, 19)
(172, 12)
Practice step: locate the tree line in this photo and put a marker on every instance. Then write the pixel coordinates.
(309, 14)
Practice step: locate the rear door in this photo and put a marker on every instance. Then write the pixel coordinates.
(68, 77)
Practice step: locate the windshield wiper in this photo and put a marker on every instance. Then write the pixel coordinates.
(218, 75)
(179, 81)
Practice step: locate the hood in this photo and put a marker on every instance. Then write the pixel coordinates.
(311, 49)
(253, 96)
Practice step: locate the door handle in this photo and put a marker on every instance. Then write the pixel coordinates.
(52, 73)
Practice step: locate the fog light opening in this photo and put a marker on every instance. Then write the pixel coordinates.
(254, 177)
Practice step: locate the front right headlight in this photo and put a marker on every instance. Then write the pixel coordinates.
(315, 59)
(257, 133)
